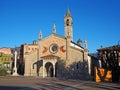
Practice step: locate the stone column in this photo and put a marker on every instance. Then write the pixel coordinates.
(43, 69)
(15, 65)
(89, 65)
(54, 69)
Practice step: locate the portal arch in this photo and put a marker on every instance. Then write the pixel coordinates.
(49, 65)
(49, 69)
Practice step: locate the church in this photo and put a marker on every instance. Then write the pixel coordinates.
(55, 55)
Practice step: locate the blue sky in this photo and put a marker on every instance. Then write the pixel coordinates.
(97, 21)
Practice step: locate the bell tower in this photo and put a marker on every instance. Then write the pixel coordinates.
(68, 25)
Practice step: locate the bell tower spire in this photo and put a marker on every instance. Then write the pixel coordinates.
(68, 25)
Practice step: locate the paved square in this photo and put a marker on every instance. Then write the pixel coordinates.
(37, 83)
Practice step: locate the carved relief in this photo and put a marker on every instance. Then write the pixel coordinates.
(44, 50)
(62, 49)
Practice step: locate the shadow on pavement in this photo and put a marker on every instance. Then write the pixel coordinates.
(15, 88)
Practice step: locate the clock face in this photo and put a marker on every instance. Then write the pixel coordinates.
(53, 48)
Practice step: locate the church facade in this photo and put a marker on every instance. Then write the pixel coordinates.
(55, 55)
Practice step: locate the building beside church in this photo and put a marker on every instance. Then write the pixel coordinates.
(110, 59)
(5, 59)
(56, 55)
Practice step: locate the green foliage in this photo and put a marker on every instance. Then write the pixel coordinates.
(3, 72)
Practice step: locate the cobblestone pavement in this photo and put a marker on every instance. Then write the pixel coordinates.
(37, 83)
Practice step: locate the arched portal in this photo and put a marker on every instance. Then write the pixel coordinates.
(49, 69)
(49, 65)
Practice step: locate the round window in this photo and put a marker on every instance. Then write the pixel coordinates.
(53, 48)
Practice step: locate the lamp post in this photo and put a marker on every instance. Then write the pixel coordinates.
(15, 65)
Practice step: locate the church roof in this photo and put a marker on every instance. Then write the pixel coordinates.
(77, 44)
(74, 45)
